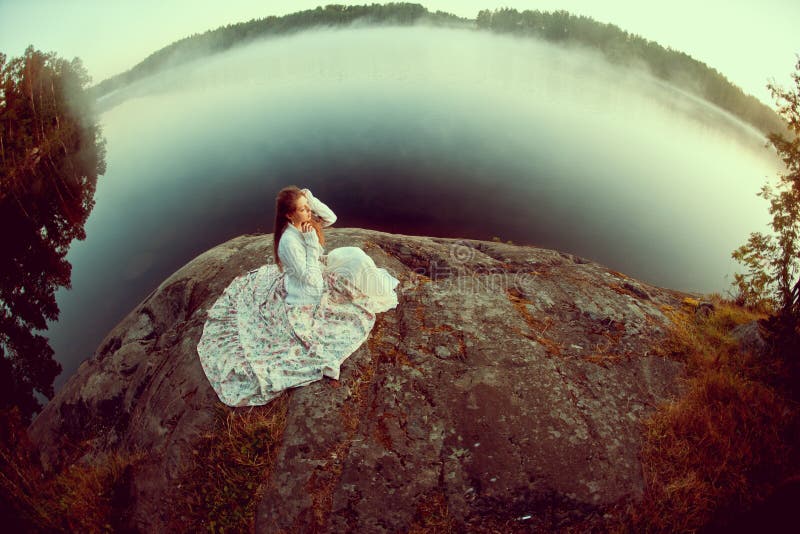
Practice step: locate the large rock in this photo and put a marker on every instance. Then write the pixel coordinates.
(509, 383)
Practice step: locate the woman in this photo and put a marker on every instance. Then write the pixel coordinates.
(291, 323)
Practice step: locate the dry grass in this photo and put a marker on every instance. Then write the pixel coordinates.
(224, 485)
(706, 342)
(713, 450)
(83, 497)
(433, 516)
(219, 494)
(537, 327)
(605, 359)
(726, 443)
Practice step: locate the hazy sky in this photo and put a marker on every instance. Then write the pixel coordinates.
(748, 42)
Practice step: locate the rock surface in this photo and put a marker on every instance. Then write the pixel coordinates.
(509, 383)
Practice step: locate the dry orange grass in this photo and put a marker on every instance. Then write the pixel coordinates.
(433, 516)
(726, 443)
(82, 497)
(537, 327)
(231, 462)
(220, 492)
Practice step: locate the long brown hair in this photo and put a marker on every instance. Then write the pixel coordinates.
(285, 204)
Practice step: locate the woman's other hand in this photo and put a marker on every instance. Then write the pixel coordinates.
(306, 226)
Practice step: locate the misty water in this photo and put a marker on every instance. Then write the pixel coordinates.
(419, 131)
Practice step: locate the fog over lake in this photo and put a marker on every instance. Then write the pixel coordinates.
(421, 131)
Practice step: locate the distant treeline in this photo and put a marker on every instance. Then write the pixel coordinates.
(621, 47)
(226, 37)
(616, 44)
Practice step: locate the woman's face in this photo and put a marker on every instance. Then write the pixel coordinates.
(302, 211)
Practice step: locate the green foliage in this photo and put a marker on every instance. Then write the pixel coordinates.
(753, 287)
(772, 260)
(51, 153)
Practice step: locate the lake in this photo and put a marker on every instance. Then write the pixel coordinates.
(420, 131)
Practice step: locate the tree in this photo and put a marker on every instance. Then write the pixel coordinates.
(772, 260)
(484, 19)
(51, 153)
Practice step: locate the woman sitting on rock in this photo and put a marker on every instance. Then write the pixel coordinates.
(291, 323)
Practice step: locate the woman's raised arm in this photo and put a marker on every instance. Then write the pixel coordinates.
(320, 208)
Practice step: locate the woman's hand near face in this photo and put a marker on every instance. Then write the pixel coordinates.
(305, 226)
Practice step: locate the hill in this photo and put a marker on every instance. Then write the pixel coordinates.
(617, 45)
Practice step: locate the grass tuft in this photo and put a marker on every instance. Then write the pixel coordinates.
(222, 489)
(433, 516)
(727, 442)
(85, 497)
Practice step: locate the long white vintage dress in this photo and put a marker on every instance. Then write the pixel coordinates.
(272, 330)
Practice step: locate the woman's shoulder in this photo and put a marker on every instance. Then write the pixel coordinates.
(289, 237)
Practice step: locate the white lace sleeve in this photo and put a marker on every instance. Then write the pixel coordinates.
(320, 208)
(302, 262)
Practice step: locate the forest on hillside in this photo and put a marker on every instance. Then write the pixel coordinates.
(617, 45)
